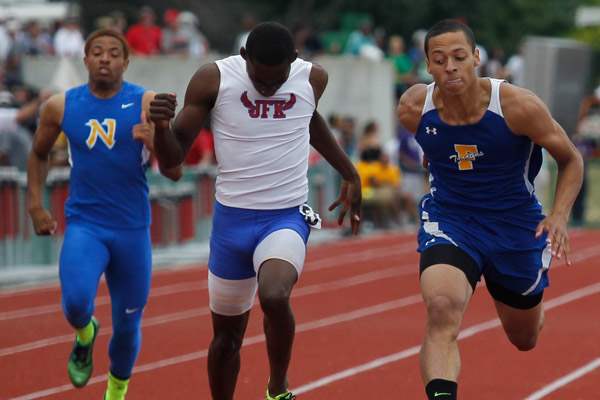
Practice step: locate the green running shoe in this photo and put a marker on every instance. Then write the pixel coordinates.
(283, 396)
(80, 364)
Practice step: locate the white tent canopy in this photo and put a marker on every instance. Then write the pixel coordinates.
(44, 12)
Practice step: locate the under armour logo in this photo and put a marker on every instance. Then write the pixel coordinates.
(430, 131)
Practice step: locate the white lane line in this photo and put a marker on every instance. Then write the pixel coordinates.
(202, 311)
(465, 333)
(174, 269)
(340, 318)
(304, 327)
(324, 263)
(565, 380)
(302, 291)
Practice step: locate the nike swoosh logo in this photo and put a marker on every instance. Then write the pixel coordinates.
(436, 394)
(130, 310)
(124, 106)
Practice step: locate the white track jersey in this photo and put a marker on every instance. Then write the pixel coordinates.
(262, 143)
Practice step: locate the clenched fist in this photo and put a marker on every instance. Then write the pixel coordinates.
(162, 109)
(43, 223)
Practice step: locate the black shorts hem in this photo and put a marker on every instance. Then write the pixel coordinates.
(454, 256)
(513, 299)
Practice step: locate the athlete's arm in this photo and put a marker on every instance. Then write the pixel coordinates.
(144, 132)
(527, 115)
(49, 127)
(325, 143)
(410, 107)
(171, 143)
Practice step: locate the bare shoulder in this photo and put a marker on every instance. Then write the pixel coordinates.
(53, 109)
(318, 79)
(410, 106)
(522, 108)
(204, 85)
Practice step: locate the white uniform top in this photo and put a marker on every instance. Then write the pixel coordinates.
(262, 143)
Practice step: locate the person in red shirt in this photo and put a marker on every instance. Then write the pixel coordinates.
(145, 37)
(202, 151)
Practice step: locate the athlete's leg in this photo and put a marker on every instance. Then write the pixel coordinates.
(83, 259)
(230, 302)
(279, 259)
(446, 293)
(522, 316)
(224, 354)
(448, 278)
(128, 279)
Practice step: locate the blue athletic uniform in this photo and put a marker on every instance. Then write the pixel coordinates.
(237, 231)
(108, 216)
(482, 198)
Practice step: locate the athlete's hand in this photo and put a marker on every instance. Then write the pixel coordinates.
(349, 198)
(144, 131)
(162, 109)
(43, 223)
(558, 237)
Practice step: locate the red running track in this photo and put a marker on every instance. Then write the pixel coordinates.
(359, 325)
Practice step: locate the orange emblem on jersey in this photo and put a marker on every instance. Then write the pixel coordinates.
(97, 131)
(465, 155)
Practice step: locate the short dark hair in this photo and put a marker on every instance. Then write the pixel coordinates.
(270, 43)
(446, 26)
(107, 32)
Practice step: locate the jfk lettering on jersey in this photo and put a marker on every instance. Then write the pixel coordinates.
(265, 108)
(97, 131)
(465, 155)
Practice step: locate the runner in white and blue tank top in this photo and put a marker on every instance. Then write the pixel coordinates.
(482, 140)
(108, 209)
(263, 114)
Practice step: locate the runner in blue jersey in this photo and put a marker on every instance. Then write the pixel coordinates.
(107, 211)
(482, 139)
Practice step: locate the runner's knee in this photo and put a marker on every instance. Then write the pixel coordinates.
(444, 314)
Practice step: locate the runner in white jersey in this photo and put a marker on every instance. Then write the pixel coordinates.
(263, 109)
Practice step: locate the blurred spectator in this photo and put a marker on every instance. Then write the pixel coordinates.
(173, 39)
(361, 42)
(119, 21)
(343, 129)
(12, 64)
(115, 20)
(145, 37)
(307, 42)
(197, 43)
(417, 55)
(483, 60)
(402, 64)
(410, 160)
(369, 141)
(202, 151)
(68, 40)
(495, 66)
(15, 141)
(248, 22)
(587, 140)
(33, 41)
(515, 68)
(380, 181)
(5, 41)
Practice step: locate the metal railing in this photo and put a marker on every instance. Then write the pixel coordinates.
(181, 211)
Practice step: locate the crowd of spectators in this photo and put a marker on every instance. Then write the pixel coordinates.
(392, 171)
